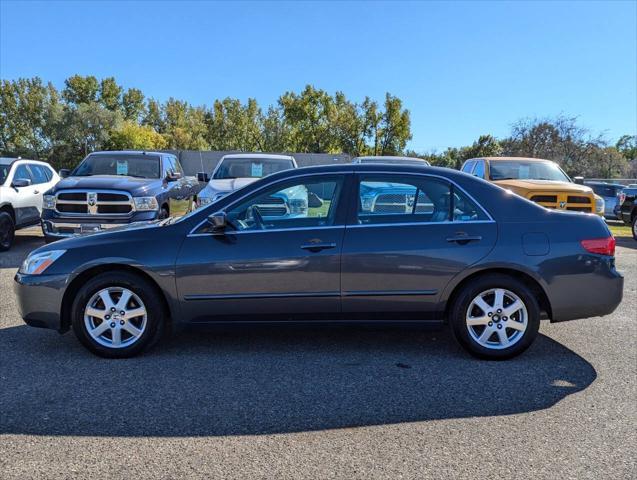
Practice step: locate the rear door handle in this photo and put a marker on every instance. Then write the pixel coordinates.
(464, 239)
(317, 247)
(36, 192)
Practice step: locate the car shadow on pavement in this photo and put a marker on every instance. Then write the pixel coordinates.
(626, 242)
(267, 381)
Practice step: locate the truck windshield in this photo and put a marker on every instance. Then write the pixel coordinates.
(520, 170)
(251, 167)
(139, 166)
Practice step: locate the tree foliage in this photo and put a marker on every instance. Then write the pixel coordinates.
(37, 120)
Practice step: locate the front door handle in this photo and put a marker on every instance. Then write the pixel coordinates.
(317, 247)
(36, 192)
(463, 238)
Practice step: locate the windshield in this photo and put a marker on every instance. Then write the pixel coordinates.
(251, 167)
(139, 166)
(517, 170)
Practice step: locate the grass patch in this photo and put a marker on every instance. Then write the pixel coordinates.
(619, 229)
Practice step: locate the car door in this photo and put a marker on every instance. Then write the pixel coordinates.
(279, 259)
(406, 239)
(40, 178)
(28, 199)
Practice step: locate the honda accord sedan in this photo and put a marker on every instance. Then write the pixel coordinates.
(456, 250)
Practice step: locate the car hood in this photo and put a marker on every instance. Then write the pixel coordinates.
(231, 184)
(543, 185)
(134, 186)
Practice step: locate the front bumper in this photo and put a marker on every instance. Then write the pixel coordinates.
(58, 227)
(40, 299)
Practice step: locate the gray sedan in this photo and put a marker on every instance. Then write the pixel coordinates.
(460, 251)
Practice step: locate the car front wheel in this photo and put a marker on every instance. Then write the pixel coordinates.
(117, 315)
(495, 317)
(635, 227)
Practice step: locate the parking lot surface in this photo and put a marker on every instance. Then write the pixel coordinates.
(320, 403)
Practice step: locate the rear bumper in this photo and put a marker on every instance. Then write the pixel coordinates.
(40, 299)
(595, 294)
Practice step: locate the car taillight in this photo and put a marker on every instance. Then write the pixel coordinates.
(601, 246)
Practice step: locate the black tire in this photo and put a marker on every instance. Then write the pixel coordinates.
(7, 231)
(163, 214)
(156, 315)
(462, 302)
(634, 227)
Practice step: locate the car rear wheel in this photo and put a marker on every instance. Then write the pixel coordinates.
(7, 231)
(495, 317)
(117, 315)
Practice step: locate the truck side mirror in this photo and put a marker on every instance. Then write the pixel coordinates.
(218, 221)
(173, 176)
(579, 180)
(64, 172)
(203, 177)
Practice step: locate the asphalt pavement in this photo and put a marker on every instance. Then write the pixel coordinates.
(320, 403)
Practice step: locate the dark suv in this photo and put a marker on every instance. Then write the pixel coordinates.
(109, 189)
(628, 207)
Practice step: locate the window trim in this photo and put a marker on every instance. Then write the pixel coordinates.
(339, 220)
(348, 193)
(352, 217)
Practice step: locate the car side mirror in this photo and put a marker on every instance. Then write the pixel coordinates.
(579, 180)
(21, 182)
(173, 176)
(218, 221)
(314, 201)
(64, 172)
(203, 177)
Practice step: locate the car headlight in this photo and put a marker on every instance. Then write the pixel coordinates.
(367, 203)
(37, 263)
(48, 202)
(599, 204)
(145, 204)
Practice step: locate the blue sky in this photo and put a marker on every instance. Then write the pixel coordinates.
(462, 69)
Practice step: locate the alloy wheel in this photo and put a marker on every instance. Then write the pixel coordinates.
(115, 317)
(497, 319)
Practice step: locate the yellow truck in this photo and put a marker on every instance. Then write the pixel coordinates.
(541, 181)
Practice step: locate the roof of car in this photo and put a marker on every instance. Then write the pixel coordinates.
(7, 161)
(128, 152)
(369, 167)
(387, 158)
(262, 156)
(605, 184)
(525, 159)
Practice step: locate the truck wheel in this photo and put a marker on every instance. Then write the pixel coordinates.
(117, 315)
(495, 317)
(635, 227)
(163, 214)
(7, 231)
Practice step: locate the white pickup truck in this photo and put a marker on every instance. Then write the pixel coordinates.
(22, 184)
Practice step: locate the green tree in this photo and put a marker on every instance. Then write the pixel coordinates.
(133, 105)
(394, 130)
(130, 136)
(79, 89)
(308, 117)
(110, 94)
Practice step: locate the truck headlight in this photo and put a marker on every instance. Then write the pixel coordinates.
(298, 206)
(37, 263)
(145, 204)
(48, 202)
(599, 205)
